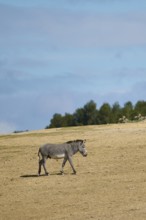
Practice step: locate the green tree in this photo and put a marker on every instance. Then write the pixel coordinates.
(67, 120)
(56, 121)
(90, 113)
(140, 108)
(86, 115)
(78, 117)
(116, 113)
(105, 114)
(128, 110)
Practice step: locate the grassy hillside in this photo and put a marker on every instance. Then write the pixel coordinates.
(110, 183)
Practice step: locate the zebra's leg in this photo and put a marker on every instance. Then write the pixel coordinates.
(40, 165)
(44, 166)
(63, 164)
(71, 163)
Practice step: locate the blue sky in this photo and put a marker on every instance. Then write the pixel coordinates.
(57, 55)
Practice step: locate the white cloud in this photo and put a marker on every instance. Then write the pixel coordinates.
(72, 29)
(56, 59)
(6, 127)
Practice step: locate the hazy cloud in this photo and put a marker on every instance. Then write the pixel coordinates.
(72, 29)
(57, 56)
(6, 127)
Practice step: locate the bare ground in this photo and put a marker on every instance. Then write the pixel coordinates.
(110, 183)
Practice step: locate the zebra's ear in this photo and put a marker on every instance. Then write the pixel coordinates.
(84, 141)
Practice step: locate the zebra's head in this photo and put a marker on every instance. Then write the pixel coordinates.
(82, 148)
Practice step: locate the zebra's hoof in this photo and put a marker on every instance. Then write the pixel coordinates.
(61, 172)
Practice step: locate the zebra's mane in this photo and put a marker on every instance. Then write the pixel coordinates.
(74, 141)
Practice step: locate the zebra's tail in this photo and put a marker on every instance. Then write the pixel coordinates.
(39, 155)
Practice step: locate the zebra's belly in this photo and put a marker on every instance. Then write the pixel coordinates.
(59, 156)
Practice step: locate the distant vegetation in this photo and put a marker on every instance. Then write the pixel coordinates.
(20, 131)
(106, 114)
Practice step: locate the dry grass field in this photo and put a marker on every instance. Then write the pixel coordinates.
(110, 183)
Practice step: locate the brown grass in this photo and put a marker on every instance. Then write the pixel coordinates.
(110, 183)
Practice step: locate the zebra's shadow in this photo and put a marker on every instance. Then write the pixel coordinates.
(42, 175)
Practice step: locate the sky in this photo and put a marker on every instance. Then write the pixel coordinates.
(55, 56)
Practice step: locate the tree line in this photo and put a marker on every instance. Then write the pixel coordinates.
(89, 114)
